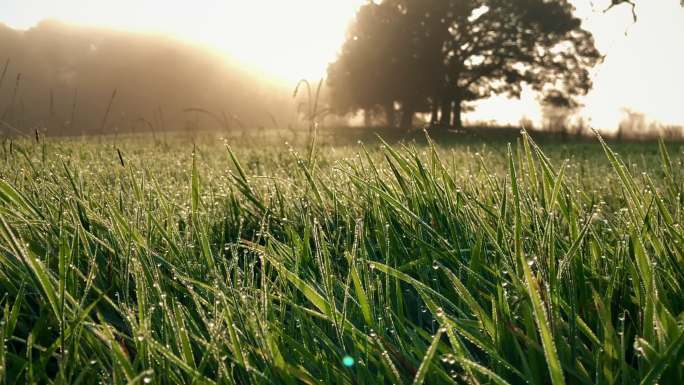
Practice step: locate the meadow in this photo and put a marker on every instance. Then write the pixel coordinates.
(203, 260)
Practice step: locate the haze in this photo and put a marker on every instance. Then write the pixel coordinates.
(288, 40)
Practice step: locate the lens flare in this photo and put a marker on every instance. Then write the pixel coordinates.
(348, 361)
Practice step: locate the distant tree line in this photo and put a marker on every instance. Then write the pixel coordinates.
(436, 57)
(63, 79)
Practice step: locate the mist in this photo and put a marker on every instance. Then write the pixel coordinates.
(67, 80)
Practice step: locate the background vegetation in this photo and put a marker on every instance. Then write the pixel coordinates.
(70, 80)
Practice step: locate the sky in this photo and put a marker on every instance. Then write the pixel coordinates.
(294, 39)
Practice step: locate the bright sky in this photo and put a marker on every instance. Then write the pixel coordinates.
(643, 70)
(293, 39)
(287, 39)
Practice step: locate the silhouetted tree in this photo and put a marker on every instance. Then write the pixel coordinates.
(436, 56)
(557, 113)
(365, 76)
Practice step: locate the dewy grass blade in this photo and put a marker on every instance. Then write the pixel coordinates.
(427, 360)
(533, 289)
(189, 268)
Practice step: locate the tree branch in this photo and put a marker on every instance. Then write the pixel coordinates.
(619, 2)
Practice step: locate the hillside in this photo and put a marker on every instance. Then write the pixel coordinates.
(149, 73)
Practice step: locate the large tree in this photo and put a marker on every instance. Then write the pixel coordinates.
(440, 55)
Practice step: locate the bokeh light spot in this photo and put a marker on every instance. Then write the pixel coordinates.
(348, 361)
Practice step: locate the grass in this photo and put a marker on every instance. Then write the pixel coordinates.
(132, 261)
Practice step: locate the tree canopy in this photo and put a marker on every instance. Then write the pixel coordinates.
(438, 56)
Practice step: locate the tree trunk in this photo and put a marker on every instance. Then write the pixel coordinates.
(434, 118)
(445, 118)
(390, 115)
(367, 117)
(457, 122)
(407, 117)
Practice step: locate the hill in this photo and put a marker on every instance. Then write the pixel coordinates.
(58, 66)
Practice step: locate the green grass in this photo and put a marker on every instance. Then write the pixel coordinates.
(470, 263)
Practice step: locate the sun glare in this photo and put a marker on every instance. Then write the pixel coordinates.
(289, 40)
(292, 40)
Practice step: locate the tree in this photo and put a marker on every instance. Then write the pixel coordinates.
(365, 76)
(438, 56)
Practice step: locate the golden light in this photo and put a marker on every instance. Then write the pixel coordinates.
(288, 40)
(642, 71)
(294, 39)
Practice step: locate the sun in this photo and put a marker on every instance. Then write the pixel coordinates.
(288, 39)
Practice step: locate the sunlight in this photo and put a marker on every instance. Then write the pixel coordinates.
(284, 40)
(292, 40)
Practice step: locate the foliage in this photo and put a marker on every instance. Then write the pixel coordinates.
(430, 55)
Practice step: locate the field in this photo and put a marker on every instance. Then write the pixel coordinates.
(198, 260)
